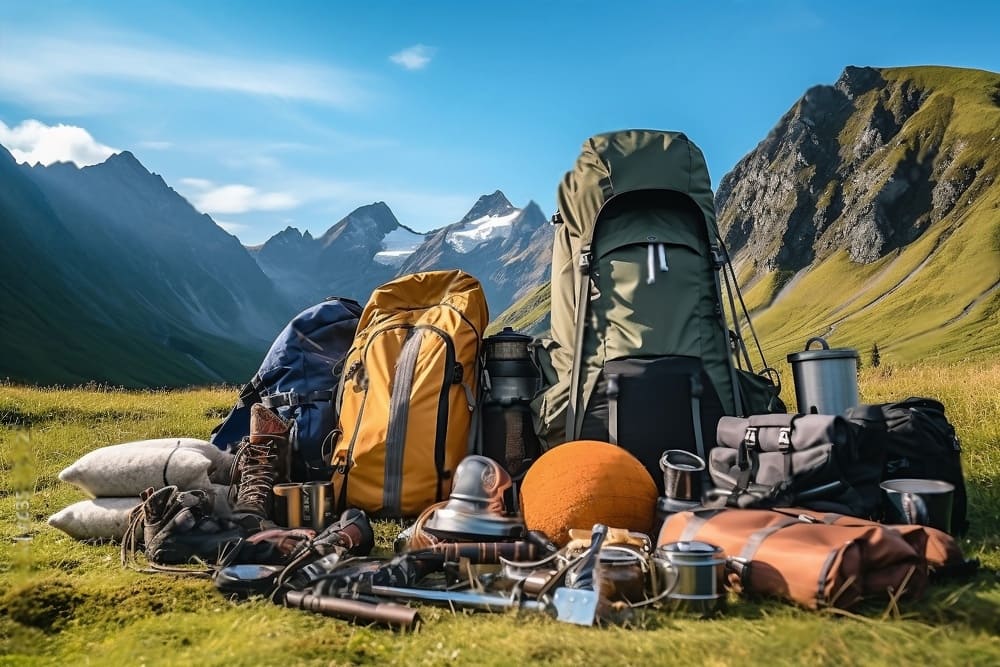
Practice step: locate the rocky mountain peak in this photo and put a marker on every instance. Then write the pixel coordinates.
(492, 204)
(856, 81)
(864, 165)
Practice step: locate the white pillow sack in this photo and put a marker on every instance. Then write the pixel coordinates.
(107, 518)
(100, 519)
(128, 469)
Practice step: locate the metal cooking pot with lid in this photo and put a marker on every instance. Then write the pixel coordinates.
(826, 380)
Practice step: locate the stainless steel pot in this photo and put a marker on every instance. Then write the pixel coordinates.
(697, 570)
(826, 381)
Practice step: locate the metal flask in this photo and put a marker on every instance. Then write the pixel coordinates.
(511, 382)
(826, 381)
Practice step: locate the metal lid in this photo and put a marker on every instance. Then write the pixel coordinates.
(508, 335)
(507, 345)
(824, 353)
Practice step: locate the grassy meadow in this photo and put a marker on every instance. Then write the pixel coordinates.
(64, 602)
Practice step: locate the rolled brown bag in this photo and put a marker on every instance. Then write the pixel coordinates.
(396, 615)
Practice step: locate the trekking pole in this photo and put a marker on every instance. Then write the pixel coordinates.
(396, 615)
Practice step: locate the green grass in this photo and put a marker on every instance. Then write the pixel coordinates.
(64, 602)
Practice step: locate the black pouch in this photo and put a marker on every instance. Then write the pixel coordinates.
(650, 405)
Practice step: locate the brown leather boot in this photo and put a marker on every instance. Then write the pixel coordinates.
(265, 426)
(257, 463)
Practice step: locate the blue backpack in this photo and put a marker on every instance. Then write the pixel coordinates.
(298, 380)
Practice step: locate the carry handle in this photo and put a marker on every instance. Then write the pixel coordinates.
(817, 339)
(915, 509)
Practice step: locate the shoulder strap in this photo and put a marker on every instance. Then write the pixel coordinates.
(582, 307)
(399, 418)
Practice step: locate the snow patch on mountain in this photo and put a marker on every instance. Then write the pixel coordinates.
(467, 236)
(397, 245)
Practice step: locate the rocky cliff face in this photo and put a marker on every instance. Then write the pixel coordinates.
(864, 165)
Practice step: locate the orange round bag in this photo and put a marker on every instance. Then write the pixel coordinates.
(581, 483)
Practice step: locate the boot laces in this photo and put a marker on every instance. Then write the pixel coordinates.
(257, 465)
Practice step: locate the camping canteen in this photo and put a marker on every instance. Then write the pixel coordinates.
(826, 381)
(920, 501)
(696, 574)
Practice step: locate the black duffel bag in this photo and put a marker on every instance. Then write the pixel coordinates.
(919, 443)
(812, 461)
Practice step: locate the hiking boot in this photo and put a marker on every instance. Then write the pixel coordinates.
(262, 460)
(266, 425)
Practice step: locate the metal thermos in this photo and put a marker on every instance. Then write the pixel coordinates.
(511, 382)
(826, 381)
(318, 504)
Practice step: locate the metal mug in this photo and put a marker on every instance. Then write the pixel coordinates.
(318, 504)
(288, 505)
(698, 571)
(682, 475)
(927, 502)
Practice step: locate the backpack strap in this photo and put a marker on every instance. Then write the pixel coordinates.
(292, 399)
(399, 418)
(612, 393)
(699, 439)
(582, 306)
(719, 264)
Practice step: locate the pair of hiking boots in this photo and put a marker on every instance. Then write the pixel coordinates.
(180, 526)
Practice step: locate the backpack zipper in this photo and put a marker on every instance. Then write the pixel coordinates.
(652, 251)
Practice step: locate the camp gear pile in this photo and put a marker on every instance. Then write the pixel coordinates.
(533, 473)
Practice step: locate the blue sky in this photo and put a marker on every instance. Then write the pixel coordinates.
(273, 114)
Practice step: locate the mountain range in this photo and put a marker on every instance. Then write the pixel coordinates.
(870, 214)
(505, 247)
(111, 276)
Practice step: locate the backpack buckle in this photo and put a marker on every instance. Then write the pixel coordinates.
(718, 259)
(785, 440)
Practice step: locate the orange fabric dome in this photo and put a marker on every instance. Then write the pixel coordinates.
(581, 483)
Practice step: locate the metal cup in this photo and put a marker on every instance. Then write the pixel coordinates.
(919, 501)
(288, 505)
(318, 504)
(681, 474)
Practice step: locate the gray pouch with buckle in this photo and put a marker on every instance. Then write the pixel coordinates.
(812, 461)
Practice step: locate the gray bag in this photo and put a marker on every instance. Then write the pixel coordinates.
(812, 461)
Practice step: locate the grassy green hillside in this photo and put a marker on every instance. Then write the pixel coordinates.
(937, 297)
(64, 602)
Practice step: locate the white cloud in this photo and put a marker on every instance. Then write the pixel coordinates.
(235, 198)
(196, 183)
(232, 227)
(417, 56)
(33, 141)
(79, 74)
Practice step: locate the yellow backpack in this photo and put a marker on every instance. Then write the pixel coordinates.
(408, 392)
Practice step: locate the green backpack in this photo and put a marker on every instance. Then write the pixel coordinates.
(640, 351)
